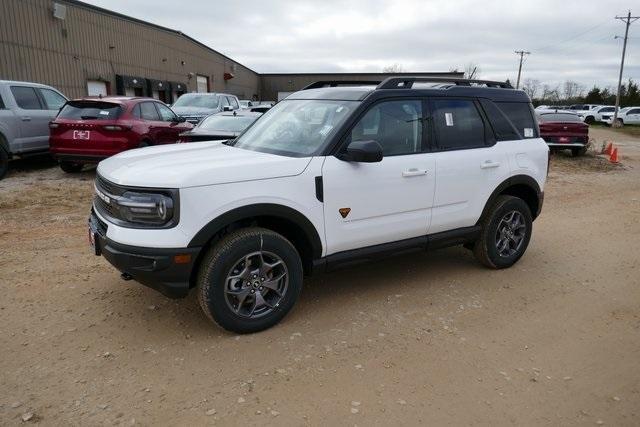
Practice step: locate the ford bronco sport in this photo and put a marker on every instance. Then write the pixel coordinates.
(332, 174)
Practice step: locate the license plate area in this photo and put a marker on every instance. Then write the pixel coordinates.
(81, 134)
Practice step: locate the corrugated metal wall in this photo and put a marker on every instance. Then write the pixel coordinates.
(92, 45)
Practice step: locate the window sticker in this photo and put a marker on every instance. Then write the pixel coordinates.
(448, 118)
(528, 132)
(325, 130)
(104, 113)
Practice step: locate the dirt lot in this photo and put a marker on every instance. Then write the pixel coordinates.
(427, 338)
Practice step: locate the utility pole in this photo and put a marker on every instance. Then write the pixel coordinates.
(627, 20)
(522, 53)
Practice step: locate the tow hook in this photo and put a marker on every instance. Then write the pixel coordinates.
(125, 276)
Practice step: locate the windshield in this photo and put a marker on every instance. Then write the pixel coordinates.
(90, 110)
(296, 128)
(227, 123)
(197, 100)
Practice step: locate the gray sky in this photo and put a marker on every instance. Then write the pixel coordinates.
(568, 40)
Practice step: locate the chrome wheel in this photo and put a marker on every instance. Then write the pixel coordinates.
(256, 284)
(510, 234)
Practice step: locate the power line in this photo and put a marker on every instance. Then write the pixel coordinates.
(570, 38)
(522, 53)
(628, 20)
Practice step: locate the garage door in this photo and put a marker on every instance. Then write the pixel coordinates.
(96, 88)
(203, 83)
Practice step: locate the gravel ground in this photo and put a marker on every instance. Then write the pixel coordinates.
(425, 338)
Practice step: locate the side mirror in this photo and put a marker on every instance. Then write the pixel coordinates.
(227, 108)
(363, 152)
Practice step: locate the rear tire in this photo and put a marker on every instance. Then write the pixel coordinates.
(505, 234)
(618, 123)
(589, 120)
(249, 280)
(577, 152)
(70, 167)
(4, 162)
(144, 144)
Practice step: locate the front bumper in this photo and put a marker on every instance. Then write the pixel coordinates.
(166, 270)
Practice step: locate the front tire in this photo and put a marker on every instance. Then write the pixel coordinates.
(249, 280)
(70, 167)
(506, 231)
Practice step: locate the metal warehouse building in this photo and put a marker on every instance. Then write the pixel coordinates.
(86, 50)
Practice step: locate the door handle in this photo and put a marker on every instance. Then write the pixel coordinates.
(26, 118)
(414, 172)
(489, 164)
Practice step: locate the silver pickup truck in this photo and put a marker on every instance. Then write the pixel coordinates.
(25, 111)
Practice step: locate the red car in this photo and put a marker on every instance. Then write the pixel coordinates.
(563, 130)
(91, 129)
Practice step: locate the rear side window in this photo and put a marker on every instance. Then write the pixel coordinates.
(136, 112)
(2, 107)
(502, 127)
(52, 99)
(26, 97)
(458, 124)
(90, 110)
(233, 102)
(149, 112)
(521, 115)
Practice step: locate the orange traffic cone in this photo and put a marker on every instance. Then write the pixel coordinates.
(614, 156)
(608, 150)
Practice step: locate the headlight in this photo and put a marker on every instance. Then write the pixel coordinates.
(137, 208)
(145, 208)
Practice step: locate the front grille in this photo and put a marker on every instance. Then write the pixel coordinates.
(108, 189)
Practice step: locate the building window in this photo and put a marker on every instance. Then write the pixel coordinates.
(202, 83)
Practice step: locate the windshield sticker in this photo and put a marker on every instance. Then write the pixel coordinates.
(528, 132)
(325, 130)
(340, 108)
(448, 117)
(104, 113)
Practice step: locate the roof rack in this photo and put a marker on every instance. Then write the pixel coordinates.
(334, 83)
(407, 82)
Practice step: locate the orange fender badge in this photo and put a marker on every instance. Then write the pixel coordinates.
(344, 212)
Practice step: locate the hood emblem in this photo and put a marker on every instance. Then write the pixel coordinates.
(344, 212)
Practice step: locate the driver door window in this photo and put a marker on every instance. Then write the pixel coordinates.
(396, 125)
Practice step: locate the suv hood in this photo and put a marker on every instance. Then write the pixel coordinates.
(196, 164)
(194, 111)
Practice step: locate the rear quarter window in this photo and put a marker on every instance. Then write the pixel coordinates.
(521, 116)
(90, 110)
(502, 127)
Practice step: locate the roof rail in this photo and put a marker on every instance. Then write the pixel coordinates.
(407, 82)
(335, 83)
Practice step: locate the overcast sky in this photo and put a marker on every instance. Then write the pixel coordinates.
(568, 40)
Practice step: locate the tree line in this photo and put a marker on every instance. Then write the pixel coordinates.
(571, 92)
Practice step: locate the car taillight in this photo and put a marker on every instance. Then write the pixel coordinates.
(53, 125)
(116, 127)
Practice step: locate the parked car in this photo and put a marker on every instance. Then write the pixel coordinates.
(563, 130)
(328, 176)
(595, 114)
(582, 107)
(626, 116)
(91, 129)
(196, 106)
(220, 126)
(245, 103)
(25, 111)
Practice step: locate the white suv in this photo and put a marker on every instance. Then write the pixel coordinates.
(331, 175)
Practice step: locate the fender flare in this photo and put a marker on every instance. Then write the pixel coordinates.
(207, 232)
(509, 182)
